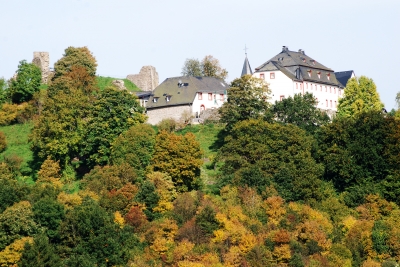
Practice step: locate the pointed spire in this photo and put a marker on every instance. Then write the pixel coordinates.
(246, 66)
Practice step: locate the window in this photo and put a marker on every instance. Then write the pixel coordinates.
(330, 89)
(272, 75)
(327, 103)
(262, 76)
(202, 108)
(209, 96)
(328, 75)
(155, 99)
(306, 85)
(309, 73)
(319, 74)
(335, 104)
(221, 97)
(334, 90)
(168, 98)
(331, 103)
(297, 86)
(301, 86)
(282, 97)
(200, 96)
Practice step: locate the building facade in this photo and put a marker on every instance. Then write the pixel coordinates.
(182, 94)
(289, 73)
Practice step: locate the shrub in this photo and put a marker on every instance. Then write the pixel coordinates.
(168, 125)
(3, 142)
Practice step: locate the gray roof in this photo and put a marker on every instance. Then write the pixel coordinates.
(299, 66)
(343, 76)
(246, 67)
(182, 90)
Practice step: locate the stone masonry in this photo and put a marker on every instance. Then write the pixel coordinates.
(42, 60)
(155, 115)
(146, 80)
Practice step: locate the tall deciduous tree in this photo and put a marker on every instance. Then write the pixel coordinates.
(78, 57)
(247, 99)
(39, 254)
(360, 96)
(209, 67)
(300, 110)
(26, 83)
(180, 157)
(112, 113)
(192, 67)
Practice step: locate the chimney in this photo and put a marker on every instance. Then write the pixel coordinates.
(302, 51)
(283, 48)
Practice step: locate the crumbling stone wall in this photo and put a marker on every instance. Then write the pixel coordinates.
(146, 80)
(42, 60)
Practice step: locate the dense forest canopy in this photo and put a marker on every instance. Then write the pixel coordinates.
(84, 181)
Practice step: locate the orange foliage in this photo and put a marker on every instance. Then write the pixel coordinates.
(282, 236)
(136, 217)
(374, 208)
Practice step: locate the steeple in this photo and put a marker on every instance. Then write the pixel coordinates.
(246, 66)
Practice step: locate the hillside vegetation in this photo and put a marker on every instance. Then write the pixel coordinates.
(103, 82)
(84, 181)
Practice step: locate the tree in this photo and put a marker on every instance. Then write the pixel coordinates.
(360, 96)
(4, 91)
(63, 121)
(212, 68)
(39, 254)
(301, 111)
(27, 82)
(78, 57)
(112, 113)
(258, 154)
(192, 67)
(49, 213)
(180, 157)
(208, 67)
(247, 99)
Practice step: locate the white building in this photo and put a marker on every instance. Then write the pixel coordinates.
(290, 73)
(177, 95)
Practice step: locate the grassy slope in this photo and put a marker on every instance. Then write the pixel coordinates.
(207, 135)
(103, 82)
(17, 142)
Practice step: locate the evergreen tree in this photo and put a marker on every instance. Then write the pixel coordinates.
(40, 254)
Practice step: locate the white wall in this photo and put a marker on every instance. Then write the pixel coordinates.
(284, 86)
(208, 104)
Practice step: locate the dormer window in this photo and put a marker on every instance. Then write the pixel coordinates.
(328, 76)
(313, 62)
(309, 73)
(155, 99)
(319, 74)
(168, 98)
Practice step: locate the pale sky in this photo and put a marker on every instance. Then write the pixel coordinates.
(123, 35)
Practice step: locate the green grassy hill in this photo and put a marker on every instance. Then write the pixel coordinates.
(103, 82)
(17, 143)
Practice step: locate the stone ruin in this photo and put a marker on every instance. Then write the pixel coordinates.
(146, 80)
(119, 84)
(42, 60)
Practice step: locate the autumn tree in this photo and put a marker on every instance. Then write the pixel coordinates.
(75, 57)
(63, 121)
(247, 99)
(180, 157)
(27, 82)
(360, 95)
(300, 110)
(208, 67)
(112, 113)
(258, 154)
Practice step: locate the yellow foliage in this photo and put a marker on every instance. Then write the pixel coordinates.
(12, 253)
(233, 257)
(12, 112)
(165, 189)
(182, 249)
(69, 200)
(211, 259)
(348, 223)
(275, 209)
(309, 214)
(247, 242)
(282, 253)
(311, 230)
(88, 193)
(163, 236)
(187, 263)
(118, 219)
(371, 263)
(229, 195)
